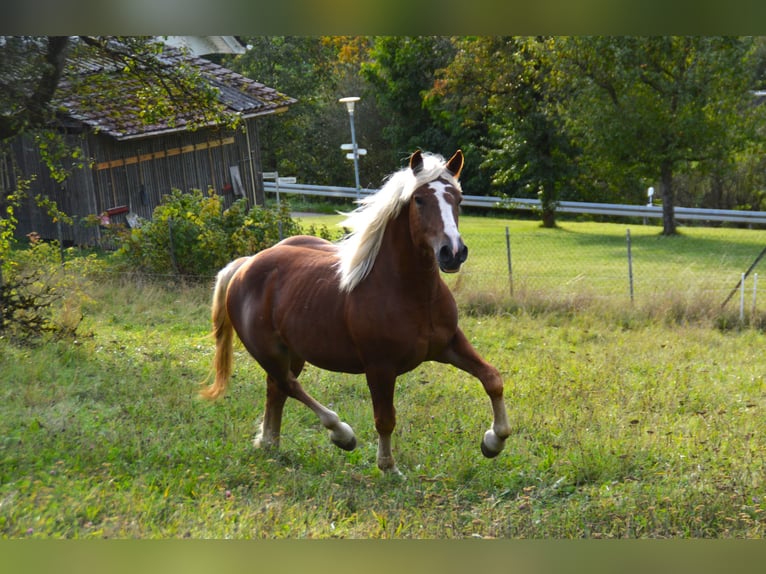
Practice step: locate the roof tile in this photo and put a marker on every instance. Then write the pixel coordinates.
(122, 118)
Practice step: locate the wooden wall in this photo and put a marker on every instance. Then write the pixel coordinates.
(137, 174)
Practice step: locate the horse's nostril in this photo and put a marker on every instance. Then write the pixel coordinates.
(463, 252)
(445, 253)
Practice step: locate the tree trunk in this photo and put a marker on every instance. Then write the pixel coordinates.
(549, 217)
(35, 109)
(668, 198)
(548, 202)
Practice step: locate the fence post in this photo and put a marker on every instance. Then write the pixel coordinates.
(508, 255)
(742, 299)
(744, 275)
(630, 266)
(755, 293)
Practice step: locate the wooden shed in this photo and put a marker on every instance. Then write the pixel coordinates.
(130, 164)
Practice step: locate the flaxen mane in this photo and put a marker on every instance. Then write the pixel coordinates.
(358, 250)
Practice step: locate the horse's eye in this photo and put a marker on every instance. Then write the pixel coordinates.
(418, 200)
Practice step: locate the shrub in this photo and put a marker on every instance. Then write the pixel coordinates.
(192, 236)
(40, 294)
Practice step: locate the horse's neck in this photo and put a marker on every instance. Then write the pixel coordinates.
(400, 259)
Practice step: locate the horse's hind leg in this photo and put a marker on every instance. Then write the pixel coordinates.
(268, 435)
(341, 434)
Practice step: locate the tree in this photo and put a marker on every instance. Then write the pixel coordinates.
(37, 72)
(655, 105)
(401, 70)
(498, 90)
(532, 151)
(459, 101)
(30, 71)
(317, 71)
(301, 66)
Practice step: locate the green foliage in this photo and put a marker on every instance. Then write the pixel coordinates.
(401, 70)
(192, 236)
(661, 97)
(658, 105)
(303, 67)
(41, 294)
(34, 285)
(458, 103)
(497, 93)
(8, 221)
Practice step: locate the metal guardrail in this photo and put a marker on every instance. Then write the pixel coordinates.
(610, 209)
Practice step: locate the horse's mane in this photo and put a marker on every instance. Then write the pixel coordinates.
(358, 250)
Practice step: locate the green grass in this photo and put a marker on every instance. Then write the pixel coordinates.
(647, 431)
(624, 425)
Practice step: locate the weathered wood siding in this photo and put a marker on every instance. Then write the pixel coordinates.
(137, 174)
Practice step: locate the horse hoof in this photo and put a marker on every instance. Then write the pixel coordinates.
(345, 444)
(491, 444)
(343, 437)
(394, 471)
(388, 467)
(265, 442)
(488, 453)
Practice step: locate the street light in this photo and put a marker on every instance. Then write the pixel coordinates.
(350, 101)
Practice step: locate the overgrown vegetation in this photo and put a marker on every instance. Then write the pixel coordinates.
(42, 295)
(192, 236)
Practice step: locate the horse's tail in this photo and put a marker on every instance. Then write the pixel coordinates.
(223, 332)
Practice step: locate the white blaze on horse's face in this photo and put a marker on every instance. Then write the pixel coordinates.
(446, 208)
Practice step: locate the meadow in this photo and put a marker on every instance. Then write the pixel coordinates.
(626, 423)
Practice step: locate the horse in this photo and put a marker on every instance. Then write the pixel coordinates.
(373, 303)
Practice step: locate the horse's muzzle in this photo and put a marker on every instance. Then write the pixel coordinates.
(450, 260)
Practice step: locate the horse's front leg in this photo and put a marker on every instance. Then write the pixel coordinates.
(461, 354)
(381, 384)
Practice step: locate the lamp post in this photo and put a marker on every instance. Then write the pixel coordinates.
(350, 101)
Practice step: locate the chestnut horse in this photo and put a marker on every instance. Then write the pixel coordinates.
(374, 303)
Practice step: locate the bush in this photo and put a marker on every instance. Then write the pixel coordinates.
(40, 294)
(192, 236)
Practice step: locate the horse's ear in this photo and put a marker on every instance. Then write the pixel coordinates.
(455, 164)
(416, 162)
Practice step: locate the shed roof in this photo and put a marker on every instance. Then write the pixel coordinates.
(202, 45)
(122, 119)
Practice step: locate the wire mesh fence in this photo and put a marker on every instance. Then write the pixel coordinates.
(612, 265)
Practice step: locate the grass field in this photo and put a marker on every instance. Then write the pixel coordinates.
(624, 425)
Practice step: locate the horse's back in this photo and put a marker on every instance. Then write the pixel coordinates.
(288, 297)
(288, 264)
(308, 242)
